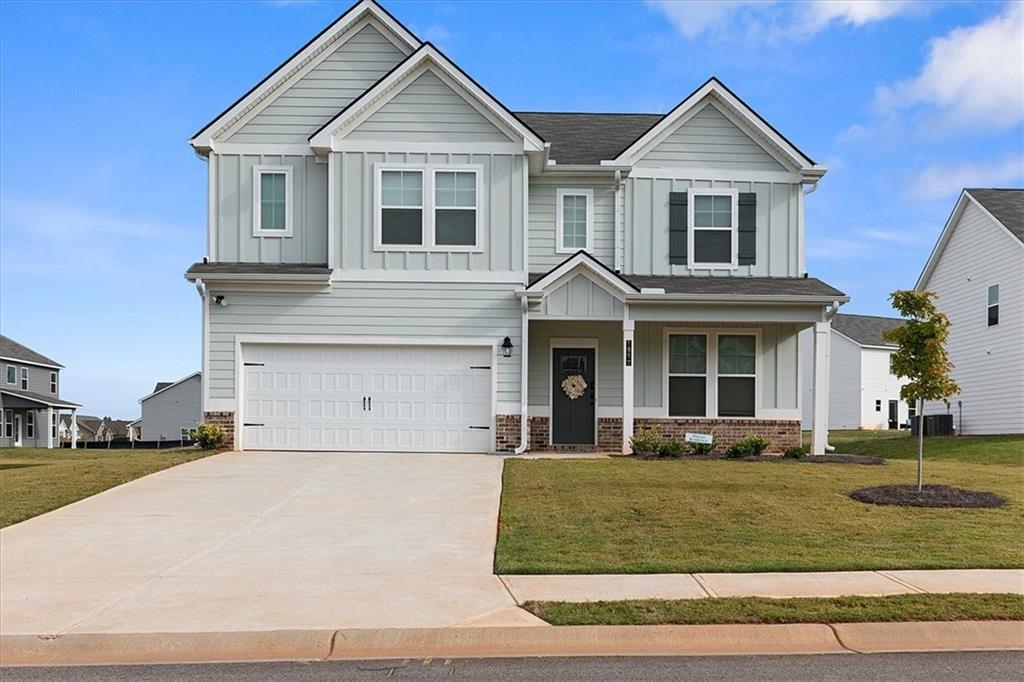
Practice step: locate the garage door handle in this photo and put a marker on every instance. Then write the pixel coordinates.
(482, 428)
(251, 424)
(253, 364)
(364, 403)
(479, 366)
(369, 402)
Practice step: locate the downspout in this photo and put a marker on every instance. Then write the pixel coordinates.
(830, 312)
(524, 419)
(619, 184)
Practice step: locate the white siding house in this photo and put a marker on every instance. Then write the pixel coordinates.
(864, 393)
(977, 270)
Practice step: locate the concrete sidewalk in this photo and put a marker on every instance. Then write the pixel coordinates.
(580, 588)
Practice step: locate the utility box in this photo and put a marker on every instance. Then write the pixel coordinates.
(934, 425)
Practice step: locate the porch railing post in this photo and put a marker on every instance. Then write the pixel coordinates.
(628, 359)
(819, 415)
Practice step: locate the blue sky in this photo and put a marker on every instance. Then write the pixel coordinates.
(102, 204)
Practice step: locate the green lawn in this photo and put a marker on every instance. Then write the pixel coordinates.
(632, 516)
(906, 607)
(900, 445)
(34, 481)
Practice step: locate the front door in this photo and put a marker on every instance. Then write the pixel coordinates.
(17, 430)
(894, 414)
(572, 396)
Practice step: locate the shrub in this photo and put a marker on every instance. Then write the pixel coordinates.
(751, 446)
(209, 436)
(702, 448)
(646, 442)
(671, 448)
(795, 451)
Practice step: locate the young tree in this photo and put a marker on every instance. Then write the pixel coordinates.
(921, 357)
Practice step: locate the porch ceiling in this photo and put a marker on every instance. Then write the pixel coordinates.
(34, 399)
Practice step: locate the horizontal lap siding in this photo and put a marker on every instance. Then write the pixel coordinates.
(415, 311)
(234, 201)
(543, 255)
(167, 413)
(322, 93)
(845, 387)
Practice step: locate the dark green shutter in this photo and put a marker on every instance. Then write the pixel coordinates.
(747, 251)
(677, 228)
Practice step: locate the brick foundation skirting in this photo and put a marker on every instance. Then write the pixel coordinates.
(225, 420)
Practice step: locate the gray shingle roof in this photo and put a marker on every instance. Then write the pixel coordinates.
(259, 269)
(588, 138)
(729, 286)
(161, 385)
(1007, 205)
(9, 348)
(37, 397)
(866, 329)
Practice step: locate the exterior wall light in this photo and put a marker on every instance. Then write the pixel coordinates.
(506, 348)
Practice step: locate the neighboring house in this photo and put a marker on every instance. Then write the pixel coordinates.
(30, 402)
(135, 430)
(173, 408)
(864, 393)
(87, 427)
(112, 429)
(397, 261)
(977, 270)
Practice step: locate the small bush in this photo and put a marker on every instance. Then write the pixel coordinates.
(795, 451)
(646, 442)
(751, 446)
(209, 436)
(671, 448)
(702, 448)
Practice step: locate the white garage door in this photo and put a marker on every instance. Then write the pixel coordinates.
(355, 397)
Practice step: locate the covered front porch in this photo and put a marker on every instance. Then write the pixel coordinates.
(32, 420)
(608, 356)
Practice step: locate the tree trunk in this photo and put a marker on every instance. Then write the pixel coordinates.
(920, 444)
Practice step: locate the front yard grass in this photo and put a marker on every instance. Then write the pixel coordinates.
(37, 480)
(1007, 450)
(683, 516)
(898, 608)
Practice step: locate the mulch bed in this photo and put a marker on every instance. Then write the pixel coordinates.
(930, 496)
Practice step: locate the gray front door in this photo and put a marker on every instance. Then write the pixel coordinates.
(572, 418)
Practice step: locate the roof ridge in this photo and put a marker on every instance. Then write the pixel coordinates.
(880, 317)
(591, 113)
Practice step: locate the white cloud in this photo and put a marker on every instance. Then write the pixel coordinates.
(699, 16)
(851, 12)
(945, 181)
(973, 76)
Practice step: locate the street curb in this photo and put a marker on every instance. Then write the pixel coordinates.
(490, 642)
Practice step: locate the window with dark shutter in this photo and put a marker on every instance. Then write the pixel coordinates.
(677, 217)
(747, 219)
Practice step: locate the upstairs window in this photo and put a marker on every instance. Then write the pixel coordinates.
(24, 378)
(713, 239)
(53, 382)
(455, 208)
(12, 374)
(424, 209)
(272, 201)
(993, 305)
(574, 220)
(401, 208)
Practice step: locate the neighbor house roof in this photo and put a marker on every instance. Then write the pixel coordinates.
(866, 329)
(161, 385)
(164, 385)
(1006, 205)
(588, 139)
(12, 350)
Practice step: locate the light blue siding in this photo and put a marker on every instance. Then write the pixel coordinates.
(580, 297)
(393, 309)
(543, 255)
(501, 204)
(609, 358)
(427, 110)
(234, 216)
(710, 140)
(321, 94)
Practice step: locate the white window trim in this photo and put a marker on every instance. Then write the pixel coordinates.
(24, 378)
(560, 194)
(706, 375)
(53, 382)
(8, 424)
(691, 262)
(30, 424)
(7, 374)
(990, 306)
(257, 188)
(711, 397)
(429, 171)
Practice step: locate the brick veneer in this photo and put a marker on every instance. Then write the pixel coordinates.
(782, 433)
(506, 432)
(225, 420)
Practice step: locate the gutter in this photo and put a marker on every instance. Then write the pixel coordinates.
(524, 343)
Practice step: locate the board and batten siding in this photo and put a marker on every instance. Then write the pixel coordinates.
(179, 407)
(710, 140)
(988, 361)
(320, 94)
(235, 242)
(579, 297)
(501, 207)
(417, 311)
(427, 110)
(543, 214)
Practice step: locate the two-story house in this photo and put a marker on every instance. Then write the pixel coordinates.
(30, 402)
(170, 410)
(977, 270)
(397, 261)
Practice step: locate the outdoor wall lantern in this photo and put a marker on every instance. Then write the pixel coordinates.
(506, 348)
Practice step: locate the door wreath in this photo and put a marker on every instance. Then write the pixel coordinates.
(573, 386)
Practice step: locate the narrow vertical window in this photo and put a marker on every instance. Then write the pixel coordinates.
(737, 367)
(993, 305)
(8, 423)
(401, 208)
(455, 208)
(574, 221)
(30, 424)
(687, 375)
(24, 378)
(272, 199)
(12, 374)
(53, 382)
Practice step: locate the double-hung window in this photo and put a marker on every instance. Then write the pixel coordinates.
(713, 232)
(993, 305)
(574, 220)
(272, 201)
(687, 375)
(30, 424)
(8, 423)
(24, 378)
(12, 374)
(737, 372)
(53, 382)
(427, 208)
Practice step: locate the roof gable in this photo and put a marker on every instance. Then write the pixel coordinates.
(308, 57)
(1005, 205)
(426, 58)
(162, 386)
(582, 262)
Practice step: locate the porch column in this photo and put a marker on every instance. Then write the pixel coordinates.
(628, 357)
(819, 413)
(74, 429)
(49, 428)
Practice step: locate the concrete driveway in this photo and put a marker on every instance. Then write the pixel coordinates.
(264, 541)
